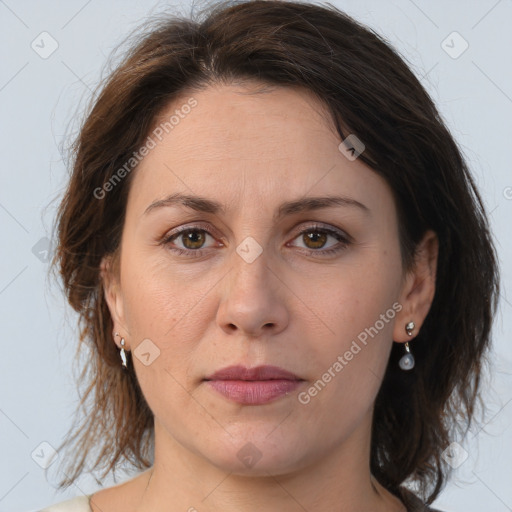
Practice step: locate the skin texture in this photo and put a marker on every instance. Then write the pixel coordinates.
(291, 307)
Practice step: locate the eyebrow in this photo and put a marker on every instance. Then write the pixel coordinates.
(203, 204)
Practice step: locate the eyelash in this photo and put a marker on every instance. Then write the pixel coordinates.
(344, 240)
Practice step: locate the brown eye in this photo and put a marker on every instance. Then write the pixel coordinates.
(315, 239)
(193, 239)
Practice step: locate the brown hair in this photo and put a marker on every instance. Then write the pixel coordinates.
(368, 91)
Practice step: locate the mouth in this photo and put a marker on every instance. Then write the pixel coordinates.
(253, 386)
(259, 373)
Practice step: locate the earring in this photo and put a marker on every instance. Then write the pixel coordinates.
(123, 353)
(407, 360)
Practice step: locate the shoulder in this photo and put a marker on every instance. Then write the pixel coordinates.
(78, 504)
(116, 498)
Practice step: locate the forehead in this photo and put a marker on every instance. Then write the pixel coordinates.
(228, 118)
(243, 144)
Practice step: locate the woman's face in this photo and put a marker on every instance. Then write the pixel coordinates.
(265, 278)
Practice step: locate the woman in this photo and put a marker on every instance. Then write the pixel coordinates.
(282, 266)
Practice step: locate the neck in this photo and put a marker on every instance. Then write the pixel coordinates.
(339, 480)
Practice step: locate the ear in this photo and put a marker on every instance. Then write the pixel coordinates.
(109, 271)
(418, 288)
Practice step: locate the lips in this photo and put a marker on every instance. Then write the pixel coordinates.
(253, 386)
(259, 373)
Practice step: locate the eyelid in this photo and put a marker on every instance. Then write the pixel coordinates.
(197, 226)
(324, 227)
(299, 229)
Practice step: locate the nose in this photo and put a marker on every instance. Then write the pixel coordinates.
(253, 301)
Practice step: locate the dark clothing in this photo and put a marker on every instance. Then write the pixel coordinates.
(413, 503)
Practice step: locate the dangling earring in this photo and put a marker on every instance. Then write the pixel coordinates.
(123, 353)
(407, 360)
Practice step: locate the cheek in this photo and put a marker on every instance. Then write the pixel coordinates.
(349, 365)
(361, 295)
(155, 295)
(161, 308)
(166, 307)
(360, 309)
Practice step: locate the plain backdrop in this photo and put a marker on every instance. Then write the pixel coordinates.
(460, 50)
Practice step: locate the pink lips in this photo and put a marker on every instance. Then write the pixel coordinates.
(253, 386)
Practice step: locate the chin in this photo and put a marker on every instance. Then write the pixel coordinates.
(255, 455)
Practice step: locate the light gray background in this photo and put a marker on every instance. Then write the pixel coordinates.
(39, 98)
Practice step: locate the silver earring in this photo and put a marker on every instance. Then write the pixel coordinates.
(407, 360)
(123, 353)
